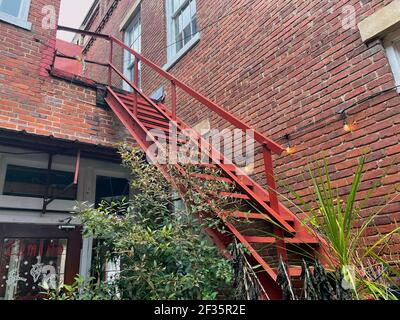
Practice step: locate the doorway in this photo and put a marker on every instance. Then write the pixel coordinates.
(33, 256)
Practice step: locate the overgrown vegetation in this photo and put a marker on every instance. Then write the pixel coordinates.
(161, 250)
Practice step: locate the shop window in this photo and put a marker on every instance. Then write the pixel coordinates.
(34, 182)
(28, 264)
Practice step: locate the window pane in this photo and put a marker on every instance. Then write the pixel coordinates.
(179, 42)
(193, 8)
(32, 182)
(187, 34)
(186, 16)
(11, 7)
(194, 26)
(108, 188)
(26, 264)
(176, 5)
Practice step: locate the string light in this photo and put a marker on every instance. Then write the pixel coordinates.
(290, 149)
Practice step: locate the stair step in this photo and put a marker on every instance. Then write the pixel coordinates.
(238, 195)
(211, 177)
(131, 98)
(154, 121)
(296, 240)
(229, 167)
(246, 215)
(154, 126)
(151, 114)
(294, 271)
(235, 195)
(167, 139)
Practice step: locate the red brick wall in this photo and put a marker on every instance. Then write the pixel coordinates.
(282, 65)
(31, 100)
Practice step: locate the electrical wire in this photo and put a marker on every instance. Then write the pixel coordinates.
(294, 134)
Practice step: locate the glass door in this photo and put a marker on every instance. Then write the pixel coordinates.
(33, 257)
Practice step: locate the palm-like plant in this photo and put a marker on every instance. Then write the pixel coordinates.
(335, 220)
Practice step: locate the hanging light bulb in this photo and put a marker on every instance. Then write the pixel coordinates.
(347, 126)
(290, 149)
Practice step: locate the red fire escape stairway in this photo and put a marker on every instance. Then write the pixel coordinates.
(274, 233)
(286, 235)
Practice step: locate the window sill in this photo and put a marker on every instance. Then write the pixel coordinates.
(175, 59)
(28, 203)
(15, 21)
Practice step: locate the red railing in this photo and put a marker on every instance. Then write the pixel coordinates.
(268, 146)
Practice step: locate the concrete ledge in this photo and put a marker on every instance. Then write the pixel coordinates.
(380, 22)
(129, 15)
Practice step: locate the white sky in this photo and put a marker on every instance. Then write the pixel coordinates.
(72, 13)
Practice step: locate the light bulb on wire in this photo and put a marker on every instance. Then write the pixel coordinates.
(290, 149)
(347, 126)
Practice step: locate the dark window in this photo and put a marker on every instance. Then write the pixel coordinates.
(108, 188)
(32, 182)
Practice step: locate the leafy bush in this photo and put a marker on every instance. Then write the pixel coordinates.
(163, 253)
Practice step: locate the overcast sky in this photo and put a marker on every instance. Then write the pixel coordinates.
(71, 15)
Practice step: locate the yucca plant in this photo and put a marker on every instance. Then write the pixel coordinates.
(360, 266)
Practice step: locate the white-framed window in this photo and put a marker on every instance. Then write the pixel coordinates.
(182, 29)
(392, 46)
(16, 12)
(133, 39)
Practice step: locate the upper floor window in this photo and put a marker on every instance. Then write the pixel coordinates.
(182, 28)
(392, 46)
(15, 12)
(133, 39)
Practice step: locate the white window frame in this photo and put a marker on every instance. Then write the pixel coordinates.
(22, 19)
(392, 46)
(128, 67)
(172, 56)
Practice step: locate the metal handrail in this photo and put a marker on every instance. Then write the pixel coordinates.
(268, 145)
(176, 83)
(259, 137)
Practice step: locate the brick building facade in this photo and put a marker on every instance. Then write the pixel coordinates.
(286, 68)
(51, 129)
(294, 70)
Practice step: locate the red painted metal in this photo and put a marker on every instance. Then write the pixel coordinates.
(111, 62)
(77, 166)
(273, 197)
(84, 32)
(139, 131)
(136, 72)
(173, 100)
(259, 137)
(139, 114)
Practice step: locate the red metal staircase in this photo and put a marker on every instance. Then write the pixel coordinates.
(264, 226)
